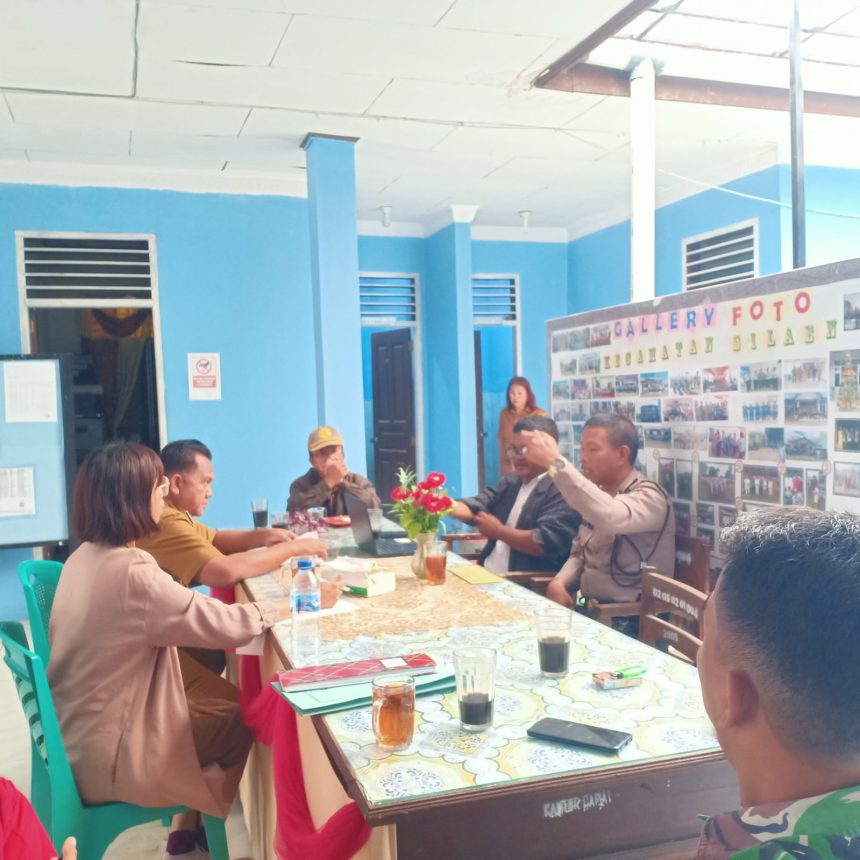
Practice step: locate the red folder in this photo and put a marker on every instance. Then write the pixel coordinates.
(354, 671)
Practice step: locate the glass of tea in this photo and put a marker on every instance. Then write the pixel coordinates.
(260, 513)
(435, 560)
(475, 672)
(393, 713)
(553, 633)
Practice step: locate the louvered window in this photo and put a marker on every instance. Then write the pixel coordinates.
(721, 257)
(387, 299)
(92, 266)
(494, 300)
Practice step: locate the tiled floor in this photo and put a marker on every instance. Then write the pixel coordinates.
(140, 843)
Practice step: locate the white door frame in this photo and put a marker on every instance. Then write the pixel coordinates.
(25, 304)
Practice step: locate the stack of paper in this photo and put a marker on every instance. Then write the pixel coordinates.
(345, 698)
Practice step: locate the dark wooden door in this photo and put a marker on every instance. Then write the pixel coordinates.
(393, 407)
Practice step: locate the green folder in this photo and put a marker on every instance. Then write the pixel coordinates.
(329, 700)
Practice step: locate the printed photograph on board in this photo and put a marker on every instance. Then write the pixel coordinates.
(844, 389)
(705, 515)
(666, 475)
(577, 433)
(568, 366)
(561, 413)
(649, 412)
(579, 410)
(761, 408)
(851, 312)
(580, 389)
(717, 482)
(579, 339)
(678, 409)
(727, 442)
(726, 516)
(708, 534)
(561, 341)
(760, 484)
(806, 443)
(561, 389)
(718, 380)
(589, 362)
(654, 384)
(604, 387)
(627, 384)
(847, 436)
(599, 335)
(846, 479)
(684, 479)
(762, 376)
(803, 374)
(626, 408)
(686, 438)
(712, 409)
(658, 437)
(682, 518)
(792, 487)
(688, 382)
(816, 489)
(808, 407)
(766, 443)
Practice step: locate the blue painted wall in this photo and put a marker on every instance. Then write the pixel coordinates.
(599, 269)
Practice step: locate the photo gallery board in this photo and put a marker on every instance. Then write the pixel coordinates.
(746, 396)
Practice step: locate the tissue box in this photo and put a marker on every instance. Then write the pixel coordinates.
(361, 576)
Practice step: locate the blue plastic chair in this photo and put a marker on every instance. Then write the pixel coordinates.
(40, 579)
(55, 795)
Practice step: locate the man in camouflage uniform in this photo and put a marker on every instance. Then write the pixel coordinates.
(780, 671)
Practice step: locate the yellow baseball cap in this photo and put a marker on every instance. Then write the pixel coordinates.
(322, 437)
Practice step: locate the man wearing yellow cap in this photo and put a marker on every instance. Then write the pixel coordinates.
(323, 484)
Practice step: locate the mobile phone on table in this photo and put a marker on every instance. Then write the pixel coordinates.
(579, 734)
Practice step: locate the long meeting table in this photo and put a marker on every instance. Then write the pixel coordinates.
(499, 793)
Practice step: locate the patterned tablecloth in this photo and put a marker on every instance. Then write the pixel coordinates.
(665, 714)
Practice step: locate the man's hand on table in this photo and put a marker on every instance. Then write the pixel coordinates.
(272, 537)
(557, 591)
(488, 525)
(307, 546)
(541, 448)
(330, 591)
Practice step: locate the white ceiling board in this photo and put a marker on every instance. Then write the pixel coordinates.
(848, 25)
(603, 114)
(60, 138)
(831, 49)
(99, 112)
(426, 12)
(572, 20)
(210, 34)
(51, 45)
(720, 35)
(12, 155)
(270, 150)
(555, 170)
(246, 5)
(530, 142)
(478, 104)
(758, 11)
(393, 50)
(192, 164)
(826, 78)
(408, 134)
(260, 86)
(5, 113)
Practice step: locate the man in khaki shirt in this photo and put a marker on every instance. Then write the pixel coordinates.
(627, 519)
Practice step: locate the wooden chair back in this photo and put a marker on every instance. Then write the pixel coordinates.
(685, 606)
(693, 562)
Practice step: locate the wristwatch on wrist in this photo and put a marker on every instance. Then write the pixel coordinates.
(556, 466)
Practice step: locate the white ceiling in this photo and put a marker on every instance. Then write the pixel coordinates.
(218, 94)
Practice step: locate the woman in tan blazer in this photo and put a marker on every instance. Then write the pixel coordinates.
(519, 402)
(129, 730)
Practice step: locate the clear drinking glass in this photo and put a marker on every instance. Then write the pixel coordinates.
(375, 515)
(260, 513)
(393, 713)
(475, 672)
(435, 560)
(553, 633)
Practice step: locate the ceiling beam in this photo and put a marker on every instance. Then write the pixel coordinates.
(606, 81)
(606, 30)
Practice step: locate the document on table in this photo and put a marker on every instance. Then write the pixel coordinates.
(475, 574)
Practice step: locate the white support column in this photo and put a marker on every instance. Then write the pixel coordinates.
(642, 181)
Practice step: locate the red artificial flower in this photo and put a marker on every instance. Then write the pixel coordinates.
(425, 485)
(434, 479)
(445, 502)
(431, 503)
(399, 494)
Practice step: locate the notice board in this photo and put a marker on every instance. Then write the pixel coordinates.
(745, 395)
(37, 457)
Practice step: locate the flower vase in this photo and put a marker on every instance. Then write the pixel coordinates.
(422, 542)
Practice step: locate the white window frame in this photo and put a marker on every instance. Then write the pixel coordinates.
(25, 304)
(515, 323)
(417, 353)
(751, 222)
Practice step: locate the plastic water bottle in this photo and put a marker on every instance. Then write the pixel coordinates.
(305, 606)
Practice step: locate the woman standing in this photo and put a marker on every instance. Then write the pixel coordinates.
(520, 402)
(131, 731)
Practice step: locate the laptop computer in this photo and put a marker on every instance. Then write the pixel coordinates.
(381, 547)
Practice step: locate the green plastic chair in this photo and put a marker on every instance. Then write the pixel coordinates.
(55, 796)
(40, 579)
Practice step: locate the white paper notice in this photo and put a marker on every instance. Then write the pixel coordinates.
(17, 494)
(204, 375)
(30, 389)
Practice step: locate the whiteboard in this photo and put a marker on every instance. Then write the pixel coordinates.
(36, 449)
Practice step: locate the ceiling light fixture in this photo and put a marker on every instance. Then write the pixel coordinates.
(525, 214)
(386, 215)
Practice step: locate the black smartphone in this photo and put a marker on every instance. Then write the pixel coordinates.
(579, 734)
